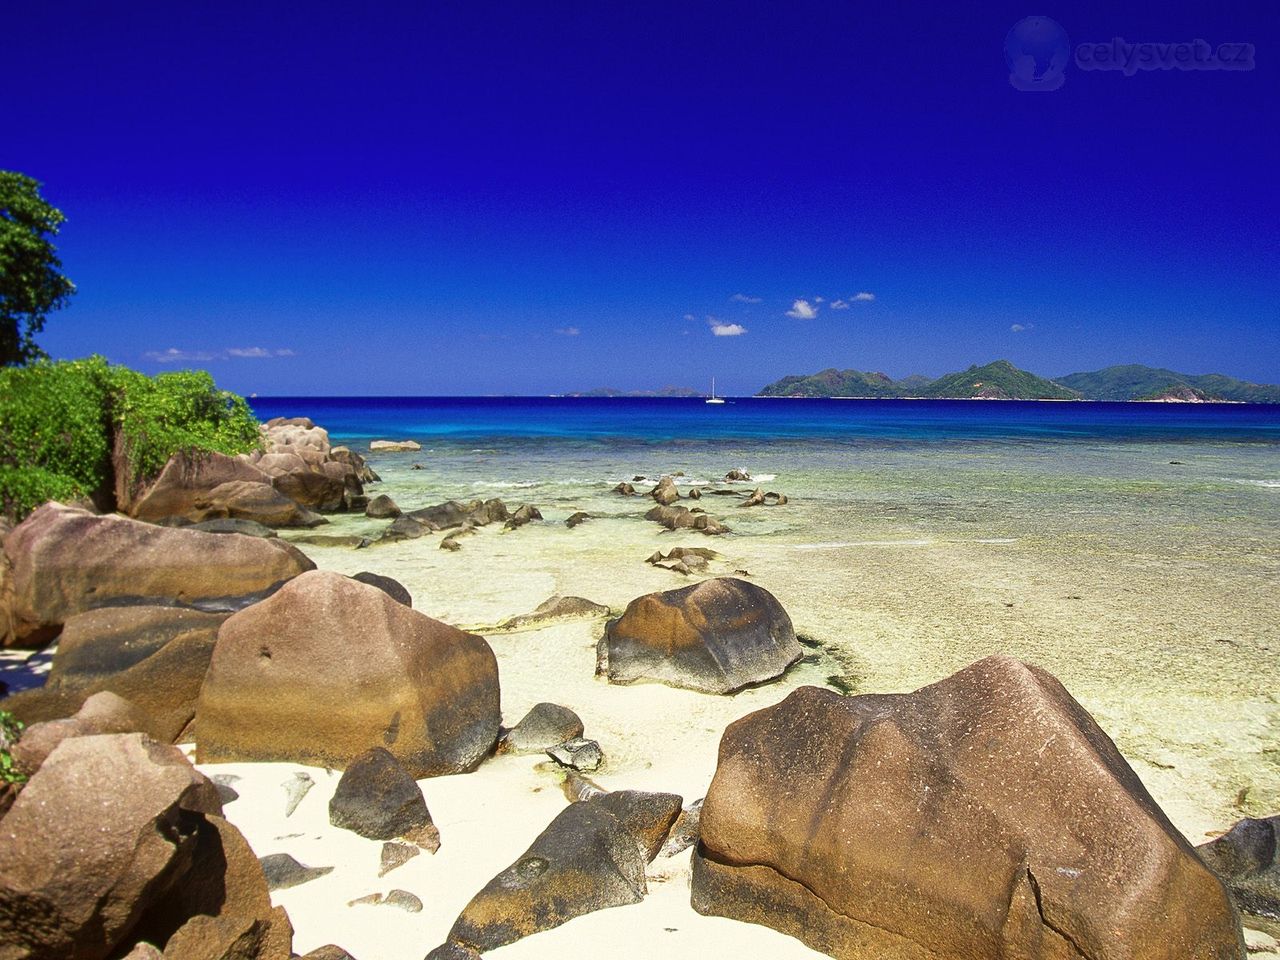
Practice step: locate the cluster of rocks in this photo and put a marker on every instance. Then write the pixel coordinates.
(460, 519)
(164, 871)
(289, 482)
(759, 498)
(684, 560)
(556, 731)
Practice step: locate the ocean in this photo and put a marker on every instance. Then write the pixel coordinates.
(1133, 550)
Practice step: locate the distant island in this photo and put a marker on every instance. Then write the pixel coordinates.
(1001, 380)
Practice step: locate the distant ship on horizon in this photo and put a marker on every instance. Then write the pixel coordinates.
(713, 398)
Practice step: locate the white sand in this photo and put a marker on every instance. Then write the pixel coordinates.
(654, 737)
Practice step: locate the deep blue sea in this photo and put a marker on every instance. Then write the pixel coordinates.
(644, 420)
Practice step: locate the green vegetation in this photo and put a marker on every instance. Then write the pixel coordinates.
(10, 730)
(31, 282)
(835, 383)
(1000, 380)
(68, 429)
(1137, 382)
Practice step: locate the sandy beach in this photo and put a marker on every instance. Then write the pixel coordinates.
(1118, 606)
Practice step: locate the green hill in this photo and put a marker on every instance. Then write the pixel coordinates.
(834, 383)
(1135, 382)
(1000, 380)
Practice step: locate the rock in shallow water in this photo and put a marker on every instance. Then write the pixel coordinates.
(716, 636)
(983, 816)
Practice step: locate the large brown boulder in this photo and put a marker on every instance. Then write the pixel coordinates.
(66, 561)
(117, 839)
(985, 816)
(187, 475)
(716, 636)
(329, 667)
(312, 481)
(154, 657)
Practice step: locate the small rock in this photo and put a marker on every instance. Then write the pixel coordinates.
(330, 951)
(282, 871)
(377, 798)
(391, 587)
(665, 492)
(647, 816)
(295, 789)
(144, 951)
(576, 519)
(382, 507)
(695, 494)
(737, 476)
(523, 514)
(545, 726)
(756, 498)
(405, 900)
(396, 855)
(626, 489)
(226, 793)
(684, 833)
(401, 899)
(578, 753)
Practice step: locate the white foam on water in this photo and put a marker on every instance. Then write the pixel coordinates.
(862, 543)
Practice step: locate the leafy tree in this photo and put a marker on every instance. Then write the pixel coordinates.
(31, 284)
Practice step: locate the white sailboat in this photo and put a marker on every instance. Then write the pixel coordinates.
(713, 398)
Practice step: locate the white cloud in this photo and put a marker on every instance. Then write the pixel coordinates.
(744, 298)
(690, 317)
(568, 331)
(863, 297)
(174, 355)
(1019, 327)
(802, 310)
(728, 329)
(839, 304)
(819, 300)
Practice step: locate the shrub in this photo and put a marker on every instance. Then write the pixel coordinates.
(10, 731)
(61, 422)
(158, 416)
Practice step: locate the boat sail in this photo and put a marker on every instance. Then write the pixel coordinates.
(713, 398)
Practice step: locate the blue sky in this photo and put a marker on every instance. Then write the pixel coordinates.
(519, 197)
